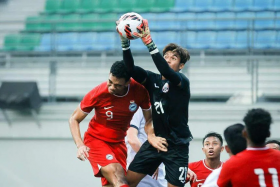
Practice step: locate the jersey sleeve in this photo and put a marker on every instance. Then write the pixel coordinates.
(185, 83)
(211, 180)
(145, 103)
(224, 177)
(89, 101)
(136, 119)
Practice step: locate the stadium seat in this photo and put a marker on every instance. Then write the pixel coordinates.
(221, 5)
(276, 5)
(242, 5)
(105, 41)
(87, 6)
(71, 23)
(202, 5)
(182, 5)
(225, 24)
(86, 41)
(46, 42)
(106, 6)
(138, 45)
(209, 23)
(109, 24)
(28, 42)
(151, 17)
(165, 25)
(266, 23)
(144, 5)
(163, 6)
(68, 6)
(244, 24)
(187, 24)
(125, 6)
(277, 41)
(277, 21)
(11, 41)
(67, 41)
(87, 26)
(52, 6)
(48, 27)
(188, 39)
(33, 27)
(241, 40)
(260, 5)
(264, 39)
(161, 39)
(205, 40)
(225, 39)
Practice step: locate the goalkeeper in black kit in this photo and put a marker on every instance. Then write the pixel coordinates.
(169, 136)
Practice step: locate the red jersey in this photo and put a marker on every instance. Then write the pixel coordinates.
(201, 170)
(113, 113)
(252, 167)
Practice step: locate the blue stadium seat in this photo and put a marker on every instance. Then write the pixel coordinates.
(277, 22)
(105, 41)
(173, 24)
(151, 17)
(205, 40)
(163, 38)
(264, 39)
(86, 41)
(261, 5)
(67, 41)
(189, 39)
(221, 5)
(264, 24)
(188, 24)
(241, 40)
(138, 44)
(277, 41)
(182, 5)
(225, 24)
(244, 24)
(276, 5)
(202, 5)
(241, 5)
(45, 43)
(225, 39)
(205, 24)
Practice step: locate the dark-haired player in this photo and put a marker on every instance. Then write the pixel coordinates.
(235, 144)
(212, 147)
(257, 165)
(170, 94)
(273, 144)
(115, 102)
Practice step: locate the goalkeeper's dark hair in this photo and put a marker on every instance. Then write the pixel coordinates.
(182, 52)
(233, 136)
(273, 141)
(213, 134)
(257, 122)
(118, 70)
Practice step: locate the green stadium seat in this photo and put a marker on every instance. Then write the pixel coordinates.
(125, 6)
(11, 41)
(68, 6)
(87, 6)
(33, 27)
(107, 25)
(52, 6)
(163, 6)
(106, 6)
(87, 26)
(28, 42)
(48, 27)
(72, 25)
(144, 5)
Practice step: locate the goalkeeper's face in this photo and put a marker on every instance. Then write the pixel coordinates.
(117, 86)
(173, 59)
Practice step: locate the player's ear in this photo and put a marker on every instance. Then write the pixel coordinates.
(222, 148)
(245, 133)
(181, 66)
(227, 149)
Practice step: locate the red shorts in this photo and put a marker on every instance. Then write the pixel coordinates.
(102, 153)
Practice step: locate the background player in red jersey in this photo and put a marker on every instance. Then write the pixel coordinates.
(115, 102)
(212, 148)
(257, 165)
(273, 144)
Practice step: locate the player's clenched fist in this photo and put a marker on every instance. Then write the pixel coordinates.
(82, 152)
(158, 142)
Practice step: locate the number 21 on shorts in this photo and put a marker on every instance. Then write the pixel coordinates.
(274, 176)
(183, 174)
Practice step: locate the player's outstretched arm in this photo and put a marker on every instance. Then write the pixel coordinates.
(158, 59)
(133, 139)
(157, 142)
(74, 123)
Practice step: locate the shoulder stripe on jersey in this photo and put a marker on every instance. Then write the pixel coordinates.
(82, 110)
(134, 126)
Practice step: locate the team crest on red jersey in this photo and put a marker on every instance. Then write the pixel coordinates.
(132, 106)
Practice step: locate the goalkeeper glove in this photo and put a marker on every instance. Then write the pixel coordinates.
(124, 41)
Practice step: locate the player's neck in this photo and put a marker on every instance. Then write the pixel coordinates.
(253, 145)
(213, 163)
(163, 78)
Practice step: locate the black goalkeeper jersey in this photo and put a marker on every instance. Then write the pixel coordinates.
(170, 105)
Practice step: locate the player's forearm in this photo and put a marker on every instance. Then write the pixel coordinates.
(75, 131)
(135, 144)
(149, 128)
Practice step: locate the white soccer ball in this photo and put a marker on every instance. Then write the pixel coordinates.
(128, 24)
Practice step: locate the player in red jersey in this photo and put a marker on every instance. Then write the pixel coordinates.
(257, 165)
(115, 102)
(212, 148)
